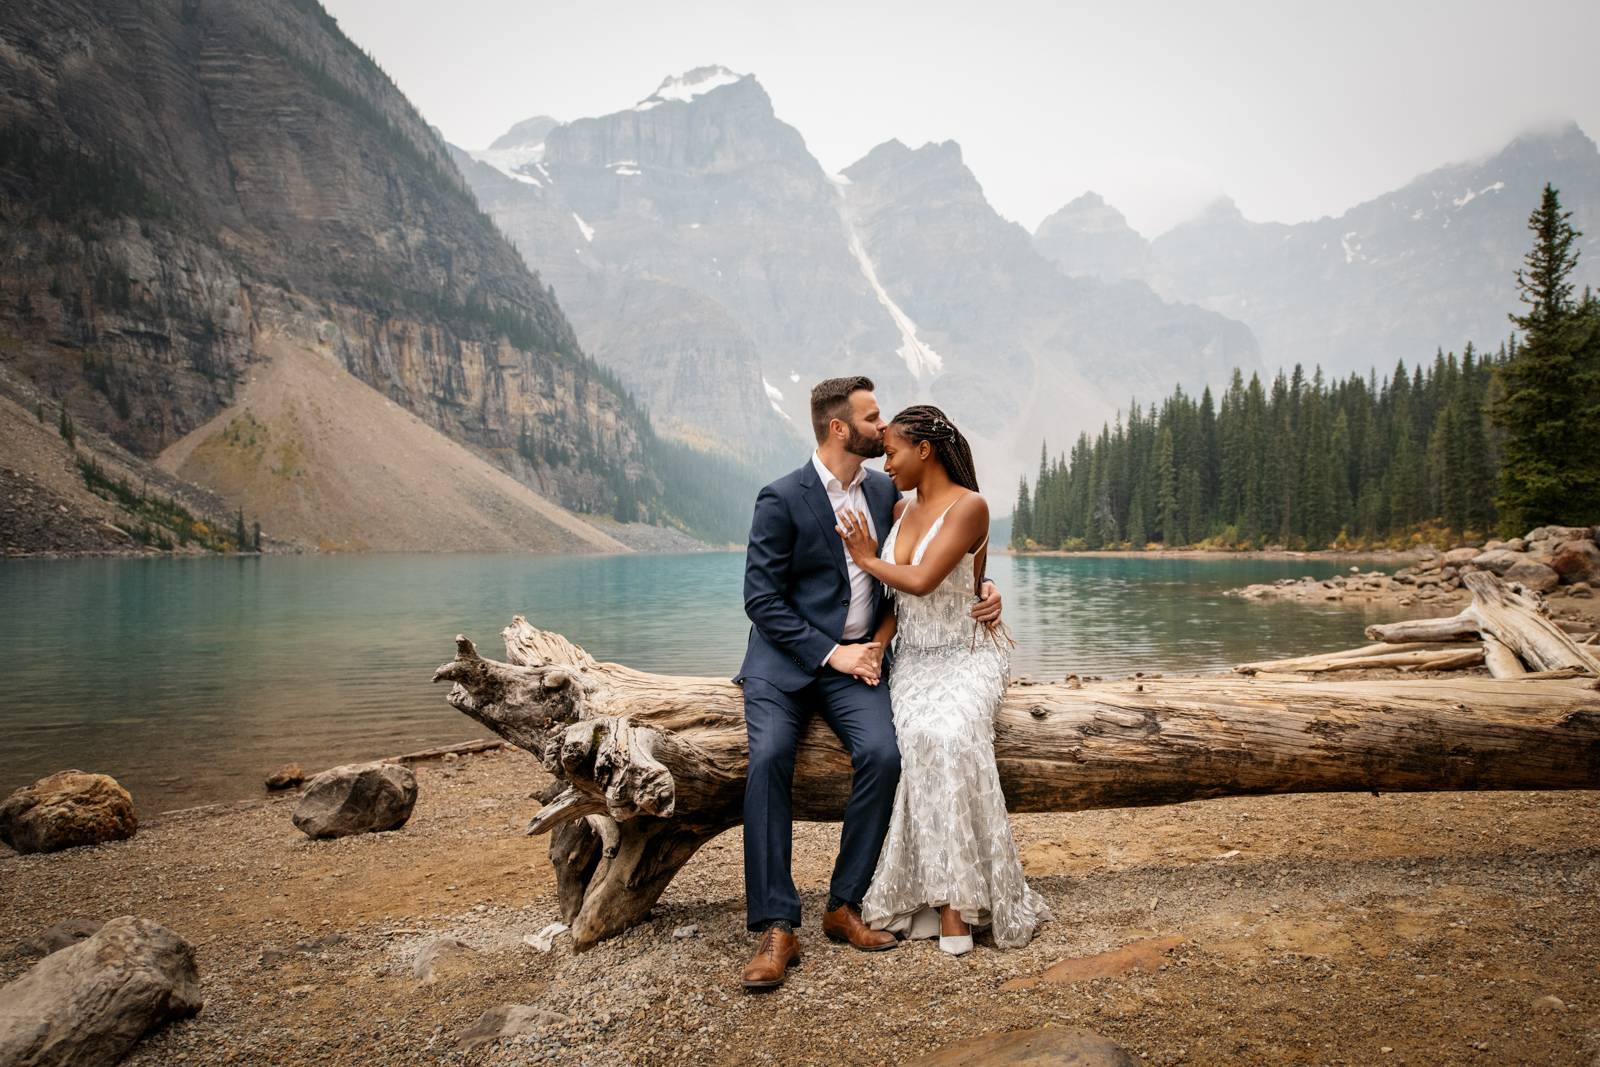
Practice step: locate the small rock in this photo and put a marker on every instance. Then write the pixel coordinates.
(507, 1020)
(62, 935)
(1581, 590)
(357, 798)
(90, 1002)
(1550, 1004)
(1498, 561)
(1144, 955)
(1533, 574)
(683, 932)
(288, 775)
(66, 810)
(1560, 533)
(545, 939)
(439, 956)
(1032, 1048)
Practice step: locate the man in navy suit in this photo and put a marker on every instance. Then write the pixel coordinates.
(812, 613)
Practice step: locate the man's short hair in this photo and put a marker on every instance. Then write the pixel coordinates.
(830, 399)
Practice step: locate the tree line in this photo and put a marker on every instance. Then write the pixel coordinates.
(1458, 448)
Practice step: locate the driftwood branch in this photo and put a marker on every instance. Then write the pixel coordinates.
(1514, 638)
(653, 766)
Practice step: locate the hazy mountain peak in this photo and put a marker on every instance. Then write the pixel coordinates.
(1561, 140)
(682, 88)
(1222, 209)
(1087, 213)
(529, 133)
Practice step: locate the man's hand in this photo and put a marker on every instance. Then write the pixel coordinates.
(987, 610)
(863, 660)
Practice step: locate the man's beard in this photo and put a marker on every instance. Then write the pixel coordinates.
(864, 446)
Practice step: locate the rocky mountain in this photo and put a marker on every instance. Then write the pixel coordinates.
(704, 255)
(1428, 265)
(1091, 239)
(198, 196)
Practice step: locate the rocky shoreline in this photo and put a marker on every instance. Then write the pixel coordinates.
(1454, 928)
(1561, 563)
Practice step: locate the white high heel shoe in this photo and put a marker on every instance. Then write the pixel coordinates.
(959, 945)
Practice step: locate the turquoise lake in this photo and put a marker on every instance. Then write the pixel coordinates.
(190, 680)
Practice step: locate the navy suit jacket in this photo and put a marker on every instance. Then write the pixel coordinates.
(796, 587)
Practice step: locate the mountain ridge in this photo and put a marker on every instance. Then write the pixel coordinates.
(1427, 265)
(718, 200)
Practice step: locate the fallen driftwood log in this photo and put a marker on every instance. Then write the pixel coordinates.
(1514, 637)
(650, 767)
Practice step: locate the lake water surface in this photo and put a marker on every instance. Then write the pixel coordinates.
(190, 680)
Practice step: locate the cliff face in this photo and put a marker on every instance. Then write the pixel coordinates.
(185, 182)
(1019, 351)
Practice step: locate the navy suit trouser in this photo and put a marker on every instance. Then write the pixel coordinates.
(775, 721)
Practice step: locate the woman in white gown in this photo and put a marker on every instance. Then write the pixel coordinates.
(949, 862)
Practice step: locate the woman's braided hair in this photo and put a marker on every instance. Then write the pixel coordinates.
(924, 422)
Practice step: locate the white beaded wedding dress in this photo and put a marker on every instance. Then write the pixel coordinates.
(949, 842)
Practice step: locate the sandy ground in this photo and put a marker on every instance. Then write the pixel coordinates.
(1338, 929)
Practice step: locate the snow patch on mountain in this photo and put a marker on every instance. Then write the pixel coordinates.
(920, 358)
(519, 164)
(1352, 249)
(775, 397)
(685, 87)
(583, 227)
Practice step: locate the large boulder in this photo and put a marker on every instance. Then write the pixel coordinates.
(88, 1004)
(357, 798)
(1532, 574)
(1498, 561)
(1457, 556)
(65, 810)
(1576, 561)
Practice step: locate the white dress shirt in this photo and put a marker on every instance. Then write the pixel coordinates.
(858, 620)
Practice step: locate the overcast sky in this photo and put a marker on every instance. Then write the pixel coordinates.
(1295, 110)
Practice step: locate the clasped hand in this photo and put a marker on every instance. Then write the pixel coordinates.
(864, 661)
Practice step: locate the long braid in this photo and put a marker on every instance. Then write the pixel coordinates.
(924, 422)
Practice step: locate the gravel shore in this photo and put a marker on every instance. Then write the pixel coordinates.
(1338, 929)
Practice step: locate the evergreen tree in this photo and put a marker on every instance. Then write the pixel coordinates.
(1550, 470)
(1166, 491)
(239, 539)
(1022, 517)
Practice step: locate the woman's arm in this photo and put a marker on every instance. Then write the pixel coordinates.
(966, 524)
(885, 633)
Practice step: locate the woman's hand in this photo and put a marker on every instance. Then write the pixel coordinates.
(858, 539)
(873, 674)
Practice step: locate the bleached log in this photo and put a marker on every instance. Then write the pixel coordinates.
(653, 766)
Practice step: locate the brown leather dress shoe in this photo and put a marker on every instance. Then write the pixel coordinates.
(844, 924)
(779, 950)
